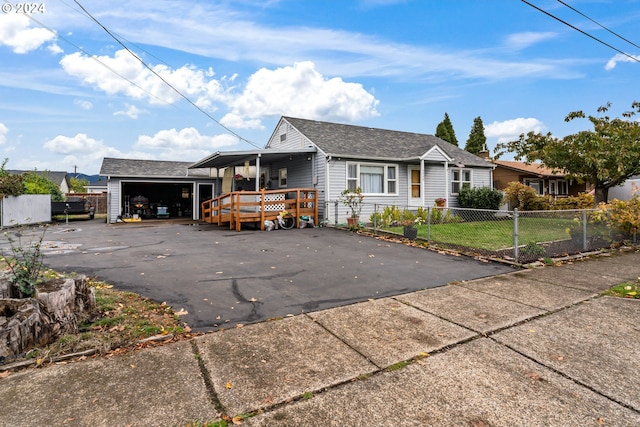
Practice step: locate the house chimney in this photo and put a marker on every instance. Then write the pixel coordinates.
(484, 154)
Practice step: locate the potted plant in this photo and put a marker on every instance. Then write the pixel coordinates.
(409, 229)
(353, 200)
(440, 202)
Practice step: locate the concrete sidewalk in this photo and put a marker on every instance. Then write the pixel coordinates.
(535, 347)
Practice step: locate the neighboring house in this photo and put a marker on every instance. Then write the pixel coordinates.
(392, 167)
(100, 186)
(162, 188)
(535, 175)
(60, 178)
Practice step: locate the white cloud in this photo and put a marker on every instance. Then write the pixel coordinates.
(187, 144)
(611, 64)
(85, 105)
(510, 130)
(81, 150)
(132, 112)
(300, 91)
(526, 39)
(4, 130)
(125, 74)
(15, 32)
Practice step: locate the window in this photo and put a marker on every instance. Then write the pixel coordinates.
(563, 187)
(372, 178)
(536, 184)
(282, 177)
(283, 137)
(460, 178)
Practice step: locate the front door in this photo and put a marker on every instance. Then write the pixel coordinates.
(415, 186)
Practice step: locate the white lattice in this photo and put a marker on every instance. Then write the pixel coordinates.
(273, 198)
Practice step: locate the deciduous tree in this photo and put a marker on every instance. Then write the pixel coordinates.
(605, 156)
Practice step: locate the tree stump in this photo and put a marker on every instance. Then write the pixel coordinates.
(56, 309)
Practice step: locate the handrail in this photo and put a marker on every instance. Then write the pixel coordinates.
(237, 207)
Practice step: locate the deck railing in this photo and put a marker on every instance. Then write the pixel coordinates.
(259, 206)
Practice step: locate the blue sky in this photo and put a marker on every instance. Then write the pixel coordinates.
(70, 94)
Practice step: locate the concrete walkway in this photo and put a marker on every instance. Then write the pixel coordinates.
(536, 347)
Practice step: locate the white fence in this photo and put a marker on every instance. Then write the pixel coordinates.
(25, 209)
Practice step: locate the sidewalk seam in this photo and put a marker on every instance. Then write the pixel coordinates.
(206, 378)
(566, 376)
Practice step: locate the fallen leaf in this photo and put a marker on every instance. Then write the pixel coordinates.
(237, 420)
(600, 421)
(4, 374)
(228, 386)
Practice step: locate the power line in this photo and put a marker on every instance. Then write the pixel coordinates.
(161, 78)
(597, 23)
(581, 31)
(96, 59)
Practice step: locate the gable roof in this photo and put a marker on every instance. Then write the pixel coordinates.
(532, 168)
(146, 168)
(341, 140)
(55, 176)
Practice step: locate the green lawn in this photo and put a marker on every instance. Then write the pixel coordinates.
(495, 235)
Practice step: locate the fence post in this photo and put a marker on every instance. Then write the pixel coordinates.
(584, 230)
(429, 224)
(516, 254)
(375, 218)
(335, 213)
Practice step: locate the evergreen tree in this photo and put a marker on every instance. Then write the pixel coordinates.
(445, 131)
(477, 141)
(442, 132)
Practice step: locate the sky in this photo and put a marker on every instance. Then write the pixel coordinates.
(180, 80)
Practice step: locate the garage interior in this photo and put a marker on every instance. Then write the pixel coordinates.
(157, 200)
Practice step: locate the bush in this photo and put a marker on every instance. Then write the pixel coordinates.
(36, 183)
(523, 197)
(620, 215)
(480, 198)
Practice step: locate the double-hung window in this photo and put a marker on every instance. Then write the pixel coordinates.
(372, 178)
(536, 184)
(460, 178)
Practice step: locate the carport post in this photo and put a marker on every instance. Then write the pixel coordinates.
(335, 212)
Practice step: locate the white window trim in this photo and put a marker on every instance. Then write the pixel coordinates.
(386, 179)
(452, 170)
(282, 174)
(539, 181)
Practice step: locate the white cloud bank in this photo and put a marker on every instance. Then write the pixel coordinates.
(510, 130)
(17, 33)
(611, 64)
(4, 130)
(298, 90)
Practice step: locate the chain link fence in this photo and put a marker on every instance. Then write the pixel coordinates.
(517, 236)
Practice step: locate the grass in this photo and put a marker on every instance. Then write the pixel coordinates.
(625, 290)
(120, 320)
(495, 235)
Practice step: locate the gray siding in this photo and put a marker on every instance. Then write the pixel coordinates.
(293, 139)
(435, 183)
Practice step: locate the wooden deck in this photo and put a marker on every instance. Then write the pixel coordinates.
(259, 206)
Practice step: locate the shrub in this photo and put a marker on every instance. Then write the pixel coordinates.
(620, 215)
(26, 263)
(480, 198)
(10, 184)
(581, 201)
(523, 197)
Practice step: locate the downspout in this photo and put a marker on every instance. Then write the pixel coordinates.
(446, 184)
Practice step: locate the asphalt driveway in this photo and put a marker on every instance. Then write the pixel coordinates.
(222, 277)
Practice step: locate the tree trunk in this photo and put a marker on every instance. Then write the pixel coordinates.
(56, 309)
(601, 194)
